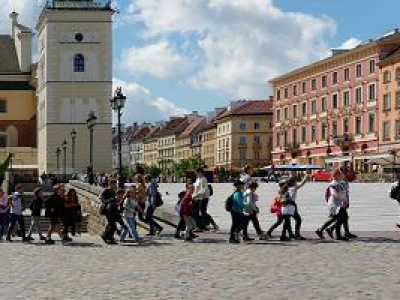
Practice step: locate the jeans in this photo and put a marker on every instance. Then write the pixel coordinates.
(35, 223)
(280, 219)
(254, 219)
(190, 225)
(130, 228)
(287, 227)
(14, 220)
(205, 217)
(154, 226)
(69, 221)
(110, 228)
(181, 226)
(297, 220)
(237, 224)
(3, 224)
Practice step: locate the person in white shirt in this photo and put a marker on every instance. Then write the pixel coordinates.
(251, 211)
(16, 214)
(200, 194)
(245, 176)
(131, 207)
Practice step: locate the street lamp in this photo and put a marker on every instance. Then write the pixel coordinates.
(64, 146)
(58, 153)
(91, 121)
(73, 139)
(117, 104)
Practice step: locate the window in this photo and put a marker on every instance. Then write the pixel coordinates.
(313, 133)
(295, 90)
(398, 100)
(346, 74)
(304, 108)
(3, 140)
(256, 126)
(386, 130)
(79, 63)
(278, 95)
(278, 139)
(323, 81)
(397, 129)
(345, 125)
(359, 95)
(372, 66)
(256, 155)
(278, 115)
(387, 101)
(294, 136)
(242, 140)
(371, 123)
(358, 125)
(242, 126)
(386, 76)
(323, 104)
(346, 98)
(304, 87)
(3, 106)
(334, 78)
(285, 138)
(286, 113)
(313, 84)
(335, 101)
(303, 135)
(358, 70)
(295, 111)
(334, 128)
(371, 92)
(397, 74)
(323, 131)
(257, 140)
(313, 107)
(242, 154)
(286, 92)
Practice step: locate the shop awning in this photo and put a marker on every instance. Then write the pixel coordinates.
(337, 159)
(385, 159)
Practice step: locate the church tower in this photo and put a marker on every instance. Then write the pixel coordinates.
(74, 78)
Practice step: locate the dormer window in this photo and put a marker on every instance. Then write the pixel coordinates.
(79, 63)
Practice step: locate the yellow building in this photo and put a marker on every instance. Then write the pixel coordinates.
(17, 96)
(150, 147)
(244, 135)
(186, 139)
(208, 146)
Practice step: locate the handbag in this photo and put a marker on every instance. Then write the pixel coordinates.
(159, 201)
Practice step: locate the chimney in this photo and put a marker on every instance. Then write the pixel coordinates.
(23, 43)
(14, 23)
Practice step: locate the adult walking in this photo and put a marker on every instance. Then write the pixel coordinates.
(251, 210)
(151, 193)
(4, 208)
(236, 211)
(109, 207)
(55, 212)
(141, 194)
(72, 211)
(245, 176)
(16, 214)
(36, 210)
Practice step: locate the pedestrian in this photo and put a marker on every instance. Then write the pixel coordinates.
(276, 209)
(36, 210)
(109, 207)
(151, 194)
(288, 207)
(141, 196)
(245, 176)
(188, 212)
(337, 198)
(200, 194)
(4, 209)
(237, 212)
(71, 208)
(251, 211)
(293, 186)
(205, 216)
(178, 208)
(131, 207)
(16, 214)
(394, 192)
(55, 212)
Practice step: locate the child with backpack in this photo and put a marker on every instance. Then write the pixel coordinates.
(235, 205)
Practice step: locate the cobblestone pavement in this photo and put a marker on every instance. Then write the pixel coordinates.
(208, 268)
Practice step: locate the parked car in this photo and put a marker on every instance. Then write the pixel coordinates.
(322, 175)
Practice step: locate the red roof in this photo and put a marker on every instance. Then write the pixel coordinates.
(193, 125)
(257, 107)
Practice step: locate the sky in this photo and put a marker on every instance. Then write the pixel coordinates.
(176, 56)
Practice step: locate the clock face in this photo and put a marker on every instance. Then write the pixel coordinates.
(79, 37)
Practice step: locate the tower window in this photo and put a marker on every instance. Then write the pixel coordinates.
(79, 63)
(79, 37)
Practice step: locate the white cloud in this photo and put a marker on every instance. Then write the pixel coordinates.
(239, 43)
(159, 60)
(350, 43)
(142, 106)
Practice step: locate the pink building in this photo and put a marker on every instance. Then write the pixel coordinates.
(327, 111)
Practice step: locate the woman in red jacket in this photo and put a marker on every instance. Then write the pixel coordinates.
(188, 212)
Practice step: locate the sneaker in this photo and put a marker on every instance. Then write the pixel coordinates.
(342, 238)
(159, 231)
(398, 225)
(234, 241)
(268, 234)
(49, 241)
(320, 234)
(299, 237)
(188, 239)
(28, 238)
(8, 239)
(42, 238)
(329, 231)
(284, 238)
(193, 236)
(112, 242)
(216, 228)
(351, 235)
(248, 239)
(178, 236)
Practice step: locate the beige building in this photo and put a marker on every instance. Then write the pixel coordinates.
(74, 78)
(150, 147)
(186, 141)
(208, 144)
(244, 135)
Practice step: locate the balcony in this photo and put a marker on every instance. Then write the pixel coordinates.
(292, 147)
(344, 141)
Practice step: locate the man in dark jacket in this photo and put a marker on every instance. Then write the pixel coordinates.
(55, 211)
(36, 209)
(110, 198)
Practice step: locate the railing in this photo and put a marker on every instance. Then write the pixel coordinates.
(343, 141)
(76, 4)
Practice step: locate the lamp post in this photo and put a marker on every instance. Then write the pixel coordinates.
(58, 153)
(64, 146)
(91, 122)
(117, 104)
(73, 139)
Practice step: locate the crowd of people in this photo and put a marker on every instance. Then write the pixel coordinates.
(61, 208)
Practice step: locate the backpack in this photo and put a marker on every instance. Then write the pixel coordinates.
(210, 190)
(159, 201)
(394, 191)
(229, 203)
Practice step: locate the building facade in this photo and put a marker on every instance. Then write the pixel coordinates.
(329, 109)
(186, 143)
(208, 144)
(244, 134)
(150, 147)
(74, 78)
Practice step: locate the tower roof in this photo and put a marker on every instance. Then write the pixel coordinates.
(8, 55)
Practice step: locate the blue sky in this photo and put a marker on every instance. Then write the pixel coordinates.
(176, 56)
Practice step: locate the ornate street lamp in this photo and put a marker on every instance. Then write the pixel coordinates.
(64, 146)
(58, 153)
(91, 122)
(117, 104)
(73, 140)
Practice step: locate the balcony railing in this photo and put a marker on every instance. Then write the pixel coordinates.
(292, 146)
(346, 140)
